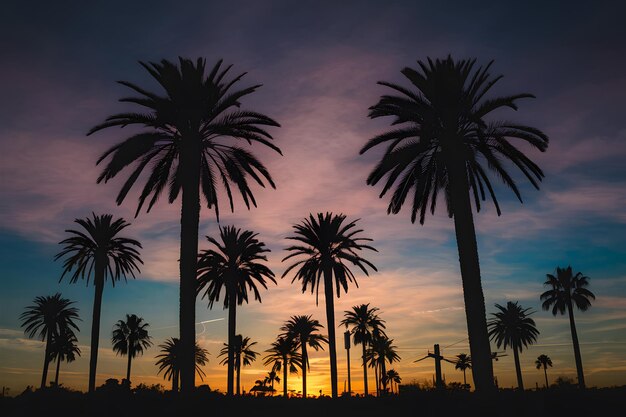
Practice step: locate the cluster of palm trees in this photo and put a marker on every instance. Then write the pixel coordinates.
(443, 142)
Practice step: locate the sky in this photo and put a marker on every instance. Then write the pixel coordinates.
(319, 63)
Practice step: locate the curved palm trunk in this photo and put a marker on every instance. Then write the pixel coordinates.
(190, 218)
(232, 317)
(545, 373)
(56, 375)
(46, 360)
(285, 376)
(330, 319)
(364, 371)
(518, 370)
(470, 275)
(305, 363)
(577, 356)
(95, 322)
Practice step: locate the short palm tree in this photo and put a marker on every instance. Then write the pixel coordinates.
(380, 352)
(98, 250)
(270, 378)
(304, 331)
(47, 318)
(284, 355)
(325, 245)
(130, 338)
(244, 356)
(444, 142)
(543, 361)
(566, 291)
(393, 377)
(511, 326)
(64, 347)
(235, 268)
(190, 144)
(463, 362)
(365, 322)
(170, 361)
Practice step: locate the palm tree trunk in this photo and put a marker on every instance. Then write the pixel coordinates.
(377, 380)
(238, 367)
(364, 370)
(232, 318)
(190, 218)
(470, 275)
(175, 381)
(464, 378)
(545, 373)
(128, 367)
(56, 375)
(46, 360)
(330, 319)
(577, 356)
(383, 374)
(518, 369)
(305, 363)
(95, 321)
(284, 376)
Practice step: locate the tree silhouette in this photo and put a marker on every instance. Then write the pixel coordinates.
(284, 355)
(170, 361)
(380, 352)
(512, 327)
(270, 378)
(48, 317)
(64, 347)
(324, 244)
(445, 144)
(303, 330)
(463, 362)
(543, 361)
(566, 290)
(365, 322)
(191, 143)
(393, 376)
(130, 338)
(235, 268)
(244, 355)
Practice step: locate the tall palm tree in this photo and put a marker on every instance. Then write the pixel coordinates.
(511, 326)
(191, 142)
(99, 251)
(284, 355)
(365, 322)
(380, 352)
(566, 290)
(233, 267)
(304, 331)
(244, 355)
(130, 338)
(463, 362)
(170, 361)
(324, 244)
(47, 318)
(64, 347)
(445, 144)
(543, 361)
(393, 376)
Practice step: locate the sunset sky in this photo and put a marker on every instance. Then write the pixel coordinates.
(319, 63)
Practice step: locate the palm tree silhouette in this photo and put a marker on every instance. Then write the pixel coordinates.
(323, 245)
(463, 362)
(270, 378)
(235, 268)
(130, 338)
(170, 361)
(365, 322)
(511, 326)
(48, 317)
(64, 347)
(566, 290)
(443, 145)
(191, 143)
(284, 355)
(303, 330)
(543, 361)
(381, 351)
(243, 355)
(97, 249)
(393, 376)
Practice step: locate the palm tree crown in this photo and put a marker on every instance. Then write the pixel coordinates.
(543, 361)
(170, 360)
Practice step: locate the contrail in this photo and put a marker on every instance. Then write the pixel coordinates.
(200, 322)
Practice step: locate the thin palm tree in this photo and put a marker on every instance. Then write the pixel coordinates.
(191, 142)
(380, 352)
(64, 347)
(324, 244)
(270, 378)
(566, 290)
(233, 267)
(304, 331)
(543, 361)
(47, 318)
(393, 376)
(365, 322)
(446, 144)
(98, 250)
(512, 326)
(244, 356)
(130, 338)
(463, 362)
(284, 355)
(170, 361)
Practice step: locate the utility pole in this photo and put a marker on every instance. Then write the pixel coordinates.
(346, 337)
(439, 384)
